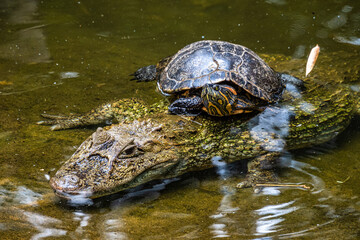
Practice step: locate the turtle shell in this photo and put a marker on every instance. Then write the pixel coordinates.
(206, 62)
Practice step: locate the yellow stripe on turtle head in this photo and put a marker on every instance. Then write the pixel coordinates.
(219, 99)
(214, 110)
(229, 108)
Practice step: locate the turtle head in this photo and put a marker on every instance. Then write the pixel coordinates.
(219, 99)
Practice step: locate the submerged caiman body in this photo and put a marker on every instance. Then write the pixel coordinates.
(148, 143)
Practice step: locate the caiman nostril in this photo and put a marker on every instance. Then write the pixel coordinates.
(67, 183)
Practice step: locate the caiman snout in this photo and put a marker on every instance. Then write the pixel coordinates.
(66, 183)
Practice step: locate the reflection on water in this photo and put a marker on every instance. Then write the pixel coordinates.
(14, 199)
(349, 40)
(79, 200)
(46, 226)
(345, 18)
(11, 194)
(29, 45)
(317, 183)
(112, 229)
(271, 128)
(226, 208)
(271, 216)
(24, 195)
(83, 220)
(221, 167)
(223, 214)
(283, 212)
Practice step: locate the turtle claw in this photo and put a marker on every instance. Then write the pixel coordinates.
(45, 122)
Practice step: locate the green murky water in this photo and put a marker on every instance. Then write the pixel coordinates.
(69, 56)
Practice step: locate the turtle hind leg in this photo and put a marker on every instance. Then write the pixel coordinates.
(186, 106)
(261, 170)
(287, 79)
(145, 74)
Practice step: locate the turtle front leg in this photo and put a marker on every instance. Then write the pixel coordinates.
(186, 106)
(261, 170)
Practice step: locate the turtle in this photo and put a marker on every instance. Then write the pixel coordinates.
(218, 77)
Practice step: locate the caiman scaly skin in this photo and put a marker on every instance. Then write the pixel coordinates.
(148, 143)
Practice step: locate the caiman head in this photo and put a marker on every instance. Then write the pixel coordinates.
(114, 159)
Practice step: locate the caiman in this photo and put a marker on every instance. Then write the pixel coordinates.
(149, 144)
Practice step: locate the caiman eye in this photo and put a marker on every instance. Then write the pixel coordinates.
(130, 150)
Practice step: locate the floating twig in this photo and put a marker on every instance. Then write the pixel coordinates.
(303, 186)
(341, 182)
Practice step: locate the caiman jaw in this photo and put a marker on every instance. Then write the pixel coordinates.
(123, 157)
(70, 186)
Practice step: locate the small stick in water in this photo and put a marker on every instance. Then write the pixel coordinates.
(312, 59)
(303, 186)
